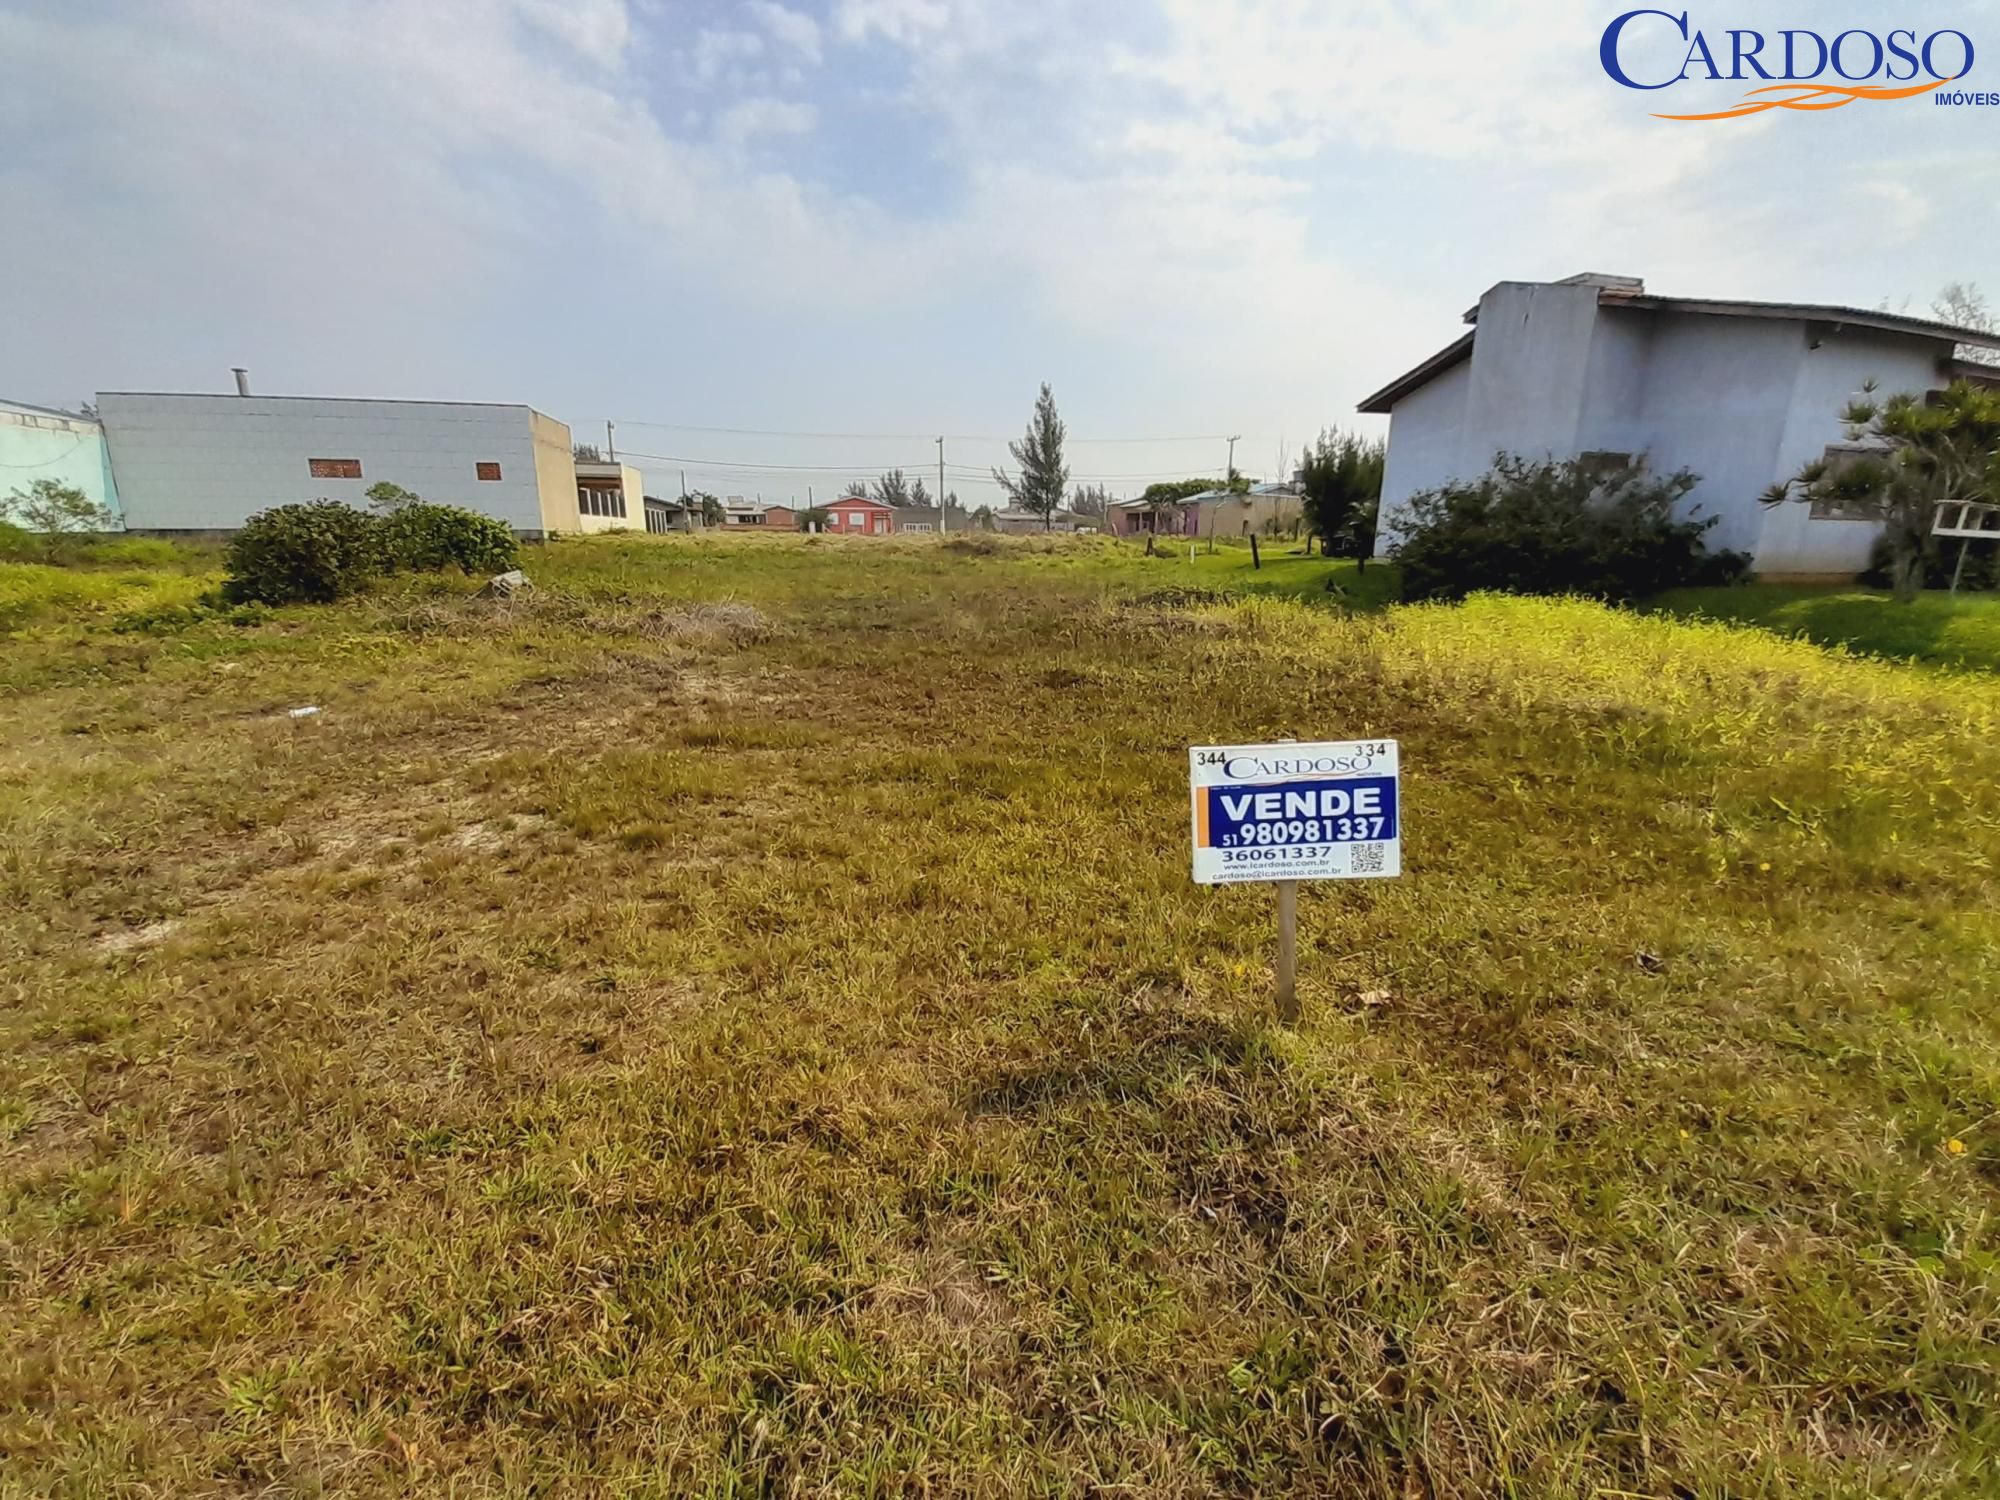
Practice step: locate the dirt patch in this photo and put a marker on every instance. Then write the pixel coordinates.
(724, 622)
(131, 939)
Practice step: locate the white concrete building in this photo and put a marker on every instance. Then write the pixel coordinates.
(610, 496)
(39, 442)
(1741, 393)
(205, 463)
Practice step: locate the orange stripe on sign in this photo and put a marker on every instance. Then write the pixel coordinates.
(1201, 795)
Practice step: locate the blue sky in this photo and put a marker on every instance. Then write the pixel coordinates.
(897, 217)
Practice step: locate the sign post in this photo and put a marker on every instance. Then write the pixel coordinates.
(1290, 812)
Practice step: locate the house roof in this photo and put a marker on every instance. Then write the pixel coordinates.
(1632, 295)
(45, 411)
(859, 500)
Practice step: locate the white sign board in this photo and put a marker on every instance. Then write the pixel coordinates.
(1296, 812)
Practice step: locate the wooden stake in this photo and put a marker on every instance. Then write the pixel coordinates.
(1288, 951)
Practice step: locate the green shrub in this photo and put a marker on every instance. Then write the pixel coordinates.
(315, 552)
(1558, 528)
(421, 537)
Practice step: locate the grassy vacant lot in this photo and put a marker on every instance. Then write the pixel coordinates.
(1961, 632)
(741, 1024)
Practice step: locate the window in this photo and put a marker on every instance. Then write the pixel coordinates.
(1600, 463)
(487, 470)
(334, 468)
(1838, 459)
(595, 501)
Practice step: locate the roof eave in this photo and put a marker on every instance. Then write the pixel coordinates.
(1385, 399)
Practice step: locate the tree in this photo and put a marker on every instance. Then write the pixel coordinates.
(857, 489)
(952, 502)
(712, 511)
(389, 498)
(1911, 454)
(1558, 527)
(893, 488)
(918, 494)
(1044, 475)
(983, 518)
(587, 453)
(1963, 305)
(1340, 477)
(1090, 500)
(814, 518)
(55, 510)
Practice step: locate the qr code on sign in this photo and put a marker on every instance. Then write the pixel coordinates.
(1370, 859)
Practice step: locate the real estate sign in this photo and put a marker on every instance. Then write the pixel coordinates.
(1325, 811)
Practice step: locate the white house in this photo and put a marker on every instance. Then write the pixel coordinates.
(206, 463)
(610, 496)
(39, 442)
(1741, 393)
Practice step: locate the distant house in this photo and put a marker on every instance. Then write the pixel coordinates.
(737, 511)
(610, 496)
(919, 518)
(780, 518)
(671, 515)
(39, 442)
(857, 515)
(1151, 518)
(1262, 509)
(1019, 522)
(1742, 394)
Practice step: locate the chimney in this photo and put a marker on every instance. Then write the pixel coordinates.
(242, 379)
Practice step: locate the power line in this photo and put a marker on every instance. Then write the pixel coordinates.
(733, 463)
(894, 437)
(967, 473)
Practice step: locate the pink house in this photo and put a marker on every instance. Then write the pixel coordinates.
(854, 515)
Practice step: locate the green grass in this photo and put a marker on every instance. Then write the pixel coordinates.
(740, 1023)
(1936, 628)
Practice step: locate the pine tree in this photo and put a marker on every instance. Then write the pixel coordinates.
(1044, 475)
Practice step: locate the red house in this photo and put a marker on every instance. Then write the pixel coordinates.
(855, 515)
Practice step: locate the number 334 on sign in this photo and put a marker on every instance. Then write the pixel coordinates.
(1328, 811)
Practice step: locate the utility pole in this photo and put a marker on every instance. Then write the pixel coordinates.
(610, 444)
(1230, 472)
(940, 443)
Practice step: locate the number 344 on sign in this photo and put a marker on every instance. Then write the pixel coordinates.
(1327, 811)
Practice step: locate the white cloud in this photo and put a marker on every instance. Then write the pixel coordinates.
(904, 21)
(790, 28)
(750, 118)
(719, 52)
(598, 30)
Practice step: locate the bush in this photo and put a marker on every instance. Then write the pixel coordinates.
(1558, 528)
(421, 537)
(316, 552)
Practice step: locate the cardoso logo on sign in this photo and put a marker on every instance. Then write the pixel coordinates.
(1800, 69)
